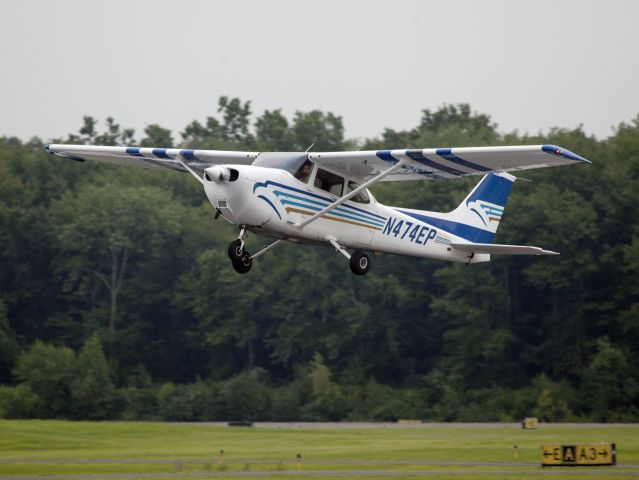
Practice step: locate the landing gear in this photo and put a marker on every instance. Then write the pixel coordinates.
(360, 262)
(235, 250)
(240, 257)
(243, 264)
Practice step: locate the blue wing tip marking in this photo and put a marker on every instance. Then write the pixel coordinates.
(562, 152)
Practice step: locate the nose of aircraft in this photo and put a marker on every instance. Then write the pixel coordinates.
(231, 192)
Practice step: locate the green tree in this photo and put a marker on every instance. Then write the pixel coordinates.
(103, 230)
(608, 384)
(328, 402)
(156, 136)
(20, 402)
(49, 372)
(237, 119)
(247, 396)
(93, 394)
(114, 135)
(8, 344)
(273, 132)
(324, 130)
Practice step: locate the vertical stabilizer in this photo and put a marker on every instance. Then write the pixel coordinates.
(484, 205)
(476, 218)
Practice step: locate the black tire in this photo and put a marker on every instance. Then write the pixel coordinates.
(243, 264)
(235, 250)
(360, 262)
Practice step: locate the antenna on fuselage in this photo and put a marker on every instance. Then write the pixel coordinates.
(308, 149)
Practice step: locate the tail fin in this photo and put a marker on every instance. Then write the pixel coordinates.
(475, 219)
(484, 205)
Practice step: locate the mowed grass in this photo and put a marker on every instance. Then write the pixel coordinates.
(165, 448)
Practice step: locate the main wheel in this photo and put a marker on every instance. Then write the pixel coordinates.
(243, 264)
(360, 262)
(235, 250)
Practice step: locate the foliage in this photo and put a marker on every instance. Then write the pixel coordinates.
(117, 300)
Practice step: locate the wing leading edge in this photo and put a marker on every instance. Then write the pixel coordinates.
(165, 158)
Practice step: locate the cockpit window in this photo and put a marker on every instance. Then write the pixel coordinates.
(303, 173)
(329, 182)
(361, 197)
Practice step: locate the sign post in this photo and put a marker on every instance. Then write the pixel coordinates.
(590, 454)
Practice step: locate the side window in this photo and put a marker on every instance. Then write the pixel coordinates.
(303, 174)
(361, 197)
(329, 182)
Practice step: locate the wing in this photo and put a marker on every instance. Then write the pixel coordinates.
(151, 157)
(441, 163)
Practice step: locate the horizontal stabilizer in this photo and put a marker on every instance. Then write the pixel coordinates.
(501, 249)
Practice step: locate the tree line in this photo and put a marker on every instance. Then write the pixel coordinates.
(117, 299)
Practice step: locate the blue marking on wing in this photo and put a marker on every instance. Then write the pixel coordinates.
(419, 157)
(386, 156)
(451, 157)
(134, 151)
(160, 153)
(189, 155)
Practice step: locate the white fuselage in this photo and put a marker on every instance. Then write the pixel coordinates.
(271, 202)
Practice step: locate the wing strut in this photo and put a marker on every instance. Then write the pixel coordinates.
(338, 202)
(189, 169)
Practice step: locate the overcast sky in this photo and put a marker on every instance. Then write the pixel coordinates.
(529, 64)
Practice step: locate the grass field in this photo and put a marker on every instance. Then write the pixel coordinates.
(29, 449)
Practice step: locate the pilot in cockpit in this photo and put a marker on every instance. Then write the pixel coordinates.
(303, 174)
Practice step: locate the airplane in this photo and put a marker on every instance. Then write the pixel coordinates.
(323, 198)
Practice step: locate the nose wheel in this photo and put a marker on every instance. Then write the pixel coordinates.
(240, 256)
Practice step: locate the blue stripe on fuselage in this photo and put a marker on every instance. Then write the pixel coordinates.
(332, 213)
(462, 230)
(313, 195)
(323, 204)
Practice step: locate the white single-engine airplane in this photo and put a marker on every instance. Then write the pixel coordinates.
(323, 198)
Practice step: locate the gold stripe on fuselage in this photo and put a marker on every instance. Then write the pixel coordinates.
(305, 212)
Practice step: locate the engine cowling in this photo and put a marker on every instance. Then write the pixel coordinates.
(231, 192)
(220, 174)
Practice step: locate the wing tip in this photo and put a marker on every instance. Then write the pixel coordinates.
(562, 152)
